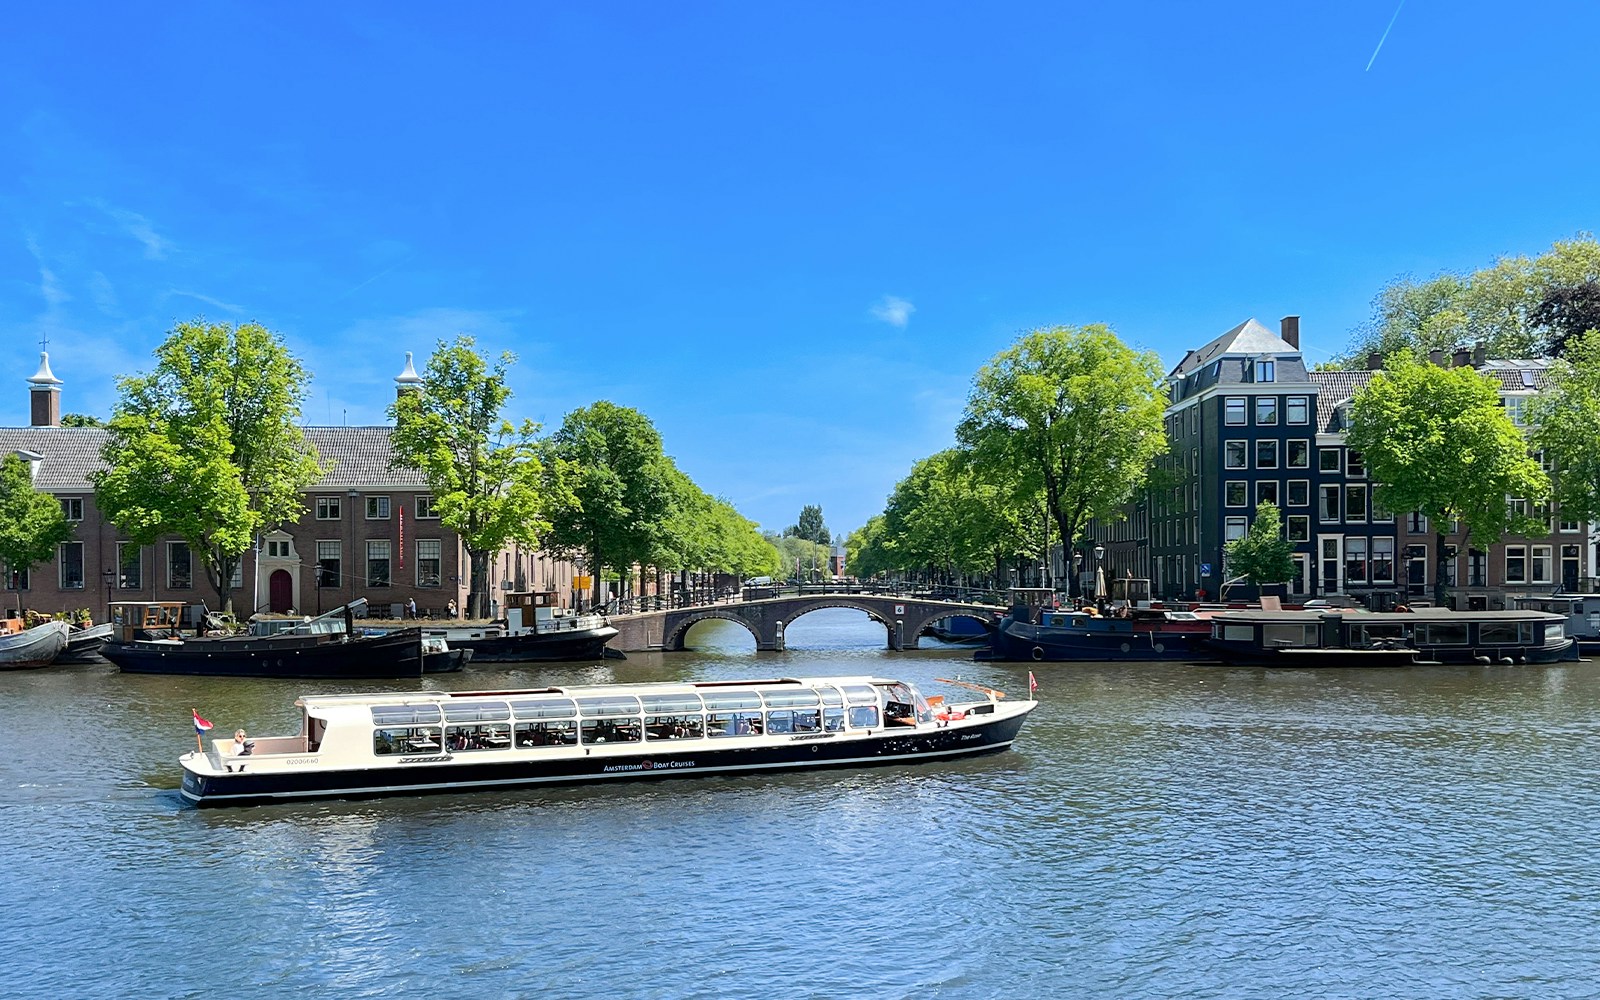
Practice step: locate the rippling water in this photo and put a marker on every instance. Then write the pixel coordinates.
(1160, 830)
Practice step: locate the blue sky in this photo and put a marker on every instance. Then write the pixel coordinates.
(788, 233)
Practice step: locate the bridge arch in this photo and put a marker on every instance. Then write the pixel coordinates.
(674, 640)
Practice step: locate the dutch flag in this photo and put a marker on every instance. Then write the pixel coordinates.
(200, 725)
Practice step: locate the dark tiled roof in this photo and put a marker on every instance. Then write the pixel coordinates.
(359, 456)
(1334, 388)
(1249, 337)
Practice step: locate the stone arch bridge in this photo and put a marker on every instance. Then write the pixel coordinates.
(903, 619)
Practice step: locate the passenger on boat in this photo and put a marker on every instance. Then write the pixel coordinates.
(241, 748)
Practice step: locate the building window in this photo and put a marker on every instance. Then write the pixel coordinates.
(72, 508)
(1299, 493)
(1383, 560)
(425, 509)
(1516, 564)
(1233, 411)
(16, 579)
(1355, 503)
(130, 566)
(1297, 455)
(1234, 494)
(1194, 461)
(1266, 410)
(1477, 568)
(1517, 409)
(1328, 460)
(1194, 419)
(428, 559)
(1234, 456)
(1417, 523)
(1542, 564)
(1267, 491)
(1354, 465)
(1568, 526)
(1266, 454)
(180, 566)
(1328, 503)
(328, 508)
(377, 562)
(1355, 560)
(1235, 529)
(71, 558)
(329, 555)
(1296, 410)
(1266, 371)
(1570, 564)
(1299, 528)
(278, 549)
(377, 508)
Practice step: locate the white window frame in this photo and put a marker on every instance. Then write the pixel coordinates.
(378, 508)
(1293, 403)
(1243, 450)
(1288, 496)
(329, 508)
(1520, 554)
(1239, 403)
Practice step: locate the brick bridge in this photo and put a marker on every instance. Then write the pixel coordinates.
(903, 619)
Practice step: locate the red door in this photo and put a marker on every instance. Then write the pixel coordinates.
(280, 591)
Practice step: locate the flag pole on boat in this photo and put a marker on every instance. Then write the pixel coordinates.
(200, 726)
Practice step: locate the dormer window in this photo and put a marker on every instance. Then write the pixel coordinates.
(1266, 370)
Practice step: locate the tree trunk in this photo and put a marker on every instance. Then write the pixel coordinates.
(477, 584)
(1439, 563)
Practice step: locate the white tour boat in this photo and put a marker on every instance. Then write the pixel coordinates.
(355, 745)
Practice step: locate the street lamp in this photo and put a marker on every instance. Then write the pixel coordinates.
(1099, 554)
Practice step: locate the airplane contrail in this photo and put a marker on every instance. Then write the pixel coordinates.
(1385, 36)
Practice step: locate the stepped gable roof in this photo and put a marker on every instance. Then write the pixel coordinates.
(359, 456)
(1249, 337)
(70, 454)
(1334, 388)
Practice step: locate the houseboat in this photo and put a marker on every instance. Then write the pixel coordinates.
(1034, 629)
(1313, 638)
(149, 638)
(1582, 612)
(358, 745)
(534, 628)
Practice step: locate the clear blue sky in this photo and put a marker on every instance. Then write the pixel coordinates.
(788, 233)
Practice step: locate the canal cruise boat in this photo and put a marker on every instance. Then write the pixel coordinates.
(1320, 638)
(361, 745)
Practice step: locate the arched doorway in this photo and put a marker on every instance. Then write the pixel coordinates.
(280, 591)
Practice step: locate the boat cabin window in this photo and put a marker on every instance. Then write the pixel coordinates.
(791, 698)
(674, 727)
(1295, 636)
(860, 694)
(614, 730)
(863, 717)
(833, 720)
(1442, 633)
(1234, 633)
(608, 706)
(720, 724)
(489, 736)
(1554, 633)
(1506, 633)
(664, 703)
(904, 706)
(551, 733)
(831, 695)
(404, 715)
(1379, 631)
(392, 740)
(545, 708)
(730, 700)
(477, 711)
(794, 720)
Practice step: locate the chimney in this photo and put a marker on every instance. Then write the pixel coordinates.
(1436, 357)
(1291, 331)
(46, 395)
(1374, 361)
(1480, 354)
(408, 380)
(1460, 358)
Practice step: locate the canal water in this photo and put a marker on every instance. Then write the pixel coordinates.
(1160, 830)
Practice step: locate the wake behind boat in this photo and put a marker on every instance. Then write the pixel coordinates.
(429, 741)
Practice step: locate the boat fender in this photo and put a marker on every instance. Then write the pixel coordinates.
(1038, 653)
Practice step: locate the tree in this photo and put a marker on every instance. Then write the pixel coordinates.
(1263, 555)
(32, 523)
(1566, 312)
(810, 526)
(1566, 421)
(1070, 414)
(1437, 441)
(613, 492)
(80, 420)
(207, 445)
(484, 471)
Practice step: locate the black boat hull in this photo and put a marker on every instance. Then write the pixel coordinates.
(1103, 641)
(314, 657)
(444, 773)
(589, 644)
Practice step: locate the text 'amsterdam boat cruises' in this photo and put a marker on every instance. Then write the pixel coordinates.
(383, 744)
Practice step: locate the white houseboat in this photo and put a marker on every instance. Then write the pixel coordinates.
(358, 745)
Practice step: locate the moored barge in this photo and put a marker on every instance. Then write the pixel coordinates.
(360, 745)
(1403, 638)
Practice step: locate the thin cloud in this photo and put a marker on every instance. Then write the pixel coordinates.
(893, 310)
(156, 247)
(1385, 37)
(208, 300)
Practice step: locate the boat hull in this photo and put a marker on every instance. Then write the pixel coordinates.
(530, 647)
(313, 657)
(35, 647)
(1101, 641)
(446, 773)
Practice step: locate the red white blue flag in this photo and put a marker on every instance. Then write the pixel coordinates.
(200, 725)
(1033, 683)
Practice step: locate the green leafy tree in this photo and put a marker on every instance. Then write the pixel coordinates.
(946, 518)
(1263, 555)
(864, 553)
(1437, 441)
(80, 420)
(1070, 414)
(614, 495)
(484, 471)
(1566, 420)
(207, 446)
(31, 522)
(810, 526)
